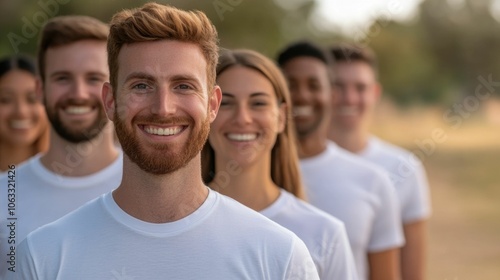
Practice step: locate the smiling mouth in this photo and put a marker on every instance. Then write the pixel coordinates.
(163, 131)
(20, 124)
(78, 110)
(302, 111)
(242, 137)
(347, 111)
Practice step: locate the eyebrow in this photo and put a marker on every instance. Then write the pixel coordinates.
(64, 72)
(96, 73)
(6, 91)
(139, 76)
(184, 77)
(255, 94)
(307, 78)
(227, 94)
(57, 73)
(151, 78)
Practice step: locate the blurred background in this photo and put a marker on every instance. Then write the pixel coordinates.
(439, 63)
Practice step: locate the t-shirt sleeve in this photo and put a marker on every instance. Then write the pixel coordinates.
(417, 206)
(339, 261)
(25, 265)
(387, 232)
(300, 265)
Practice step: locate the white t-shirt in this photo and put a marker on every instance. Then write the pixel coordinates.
(222, 239)
(42, 196)
(358, 193)
(324, 235)
(407, 174)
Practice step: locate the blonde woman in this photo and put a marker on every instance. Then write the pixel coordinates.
(251, 156)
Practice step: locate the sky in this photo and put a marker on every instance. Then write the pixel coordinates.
(349, 16)
(354, 15)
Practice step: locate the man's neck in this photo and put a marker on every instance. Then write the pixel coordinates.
(354, 141)
(80, 159)
(252, 185)
(160, 198)
(312, 144)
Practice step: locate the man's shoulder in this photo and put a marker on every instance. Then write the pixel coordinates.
(359, 165)
(335, 157)
(25, 169)
(314, 217)
(74, 223)
(23, 174)
(250, 221)
(391, 152)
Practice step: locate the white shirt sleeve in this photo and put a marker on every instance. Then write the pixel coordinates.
(417, 206)
(25, 265)
(339, 261)
(301, 265)
(387, 232)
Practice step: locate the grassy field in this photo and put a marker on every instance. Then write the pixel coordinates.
(464, 174)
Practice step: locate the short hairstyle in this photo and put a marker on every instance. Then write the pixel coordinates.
(17, 62)
(353, 53)
(303, 48)
(64, 30)
(306, 49)
(284, 159)
(153, 22)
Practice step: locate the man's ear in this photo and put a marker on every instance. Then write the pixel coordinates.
(214, 102)
(377, 92)
(108, 100)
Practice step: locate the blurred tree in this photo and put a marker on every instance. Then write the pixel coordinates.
(439, 56)
(407, 71)
(436, 57)
(463, 40)
(256, 24)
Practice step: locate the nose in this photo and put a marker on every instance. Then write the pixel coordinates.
(350, 96)
(165, 103)
(243, 115)
(79, 89)
(300, 95)
(22, 108)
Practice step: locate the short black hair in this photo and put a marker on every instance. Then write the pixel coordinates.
(303, 48)
(17, 62)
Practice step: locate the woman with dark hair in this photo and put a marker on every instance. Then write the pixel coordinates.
(251, 157)
(24, 128)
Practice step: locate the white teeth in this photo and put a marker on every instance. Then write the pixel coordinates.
(242, 137)
(347, 111)
(18, 124)
(163, 131)
(77, 110)
(302, 110)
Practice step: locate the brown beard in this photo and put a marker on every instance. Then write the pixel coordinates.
(164, 159)
(72, 135)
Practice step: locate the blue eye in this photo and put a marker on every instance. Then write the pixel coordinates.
(184, 87)
(140, 86)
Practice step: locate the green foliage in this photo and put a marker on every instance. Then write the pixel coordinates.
(435, 58)
(439, 56)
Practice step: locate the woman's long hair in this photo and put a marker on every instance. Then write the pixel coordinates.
(27, 64)
(284, 159)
